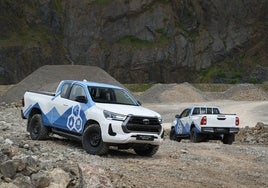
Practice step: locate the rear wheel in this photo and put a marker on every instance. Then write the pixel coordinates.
(228, 139)
(194, 136)
(92, 141)
(146, 150)
(36, 128)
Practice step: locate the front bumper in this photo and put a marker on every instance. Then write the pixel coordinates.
(119, 132)
(22, 115)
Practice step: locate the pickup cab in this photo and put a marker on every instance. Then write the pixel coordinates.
(99, 115)
(201, 123)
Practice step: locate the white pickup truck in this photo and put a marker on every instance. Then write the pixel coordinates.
(100, 115)
(200, 123)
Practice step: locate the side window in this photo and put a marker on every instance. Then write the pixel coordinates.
(65, 90)
(216, 111)
(102, 94)
(196, 111)
(203, 111)
(185, 113)
(77, 90)
(209, 110)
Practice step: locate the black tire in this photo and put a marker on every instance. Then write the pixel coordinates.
(92, 141)
(194, 136)
(172, 135)
(228, 139)
(146, 150)
(37, 129)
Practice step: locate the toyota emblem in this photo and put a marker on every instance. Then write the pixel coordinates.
(145, 121)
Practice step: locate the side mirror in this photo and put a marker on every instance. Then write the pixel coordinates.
(81, 99)
(177, 116)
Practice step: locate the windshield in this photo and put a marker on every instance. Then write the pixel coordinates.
(111, 95)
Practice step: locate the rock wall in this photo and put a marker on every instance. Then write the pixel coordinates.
(30, 37)
(158, 40)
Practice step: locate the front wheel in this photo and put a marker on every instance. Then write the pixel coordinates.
(172, 135)
(92, 141)
(146, 150)
(37, 129)
(228, 139)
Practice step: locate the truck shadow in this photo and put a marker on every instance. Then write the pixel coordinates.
(113, 151)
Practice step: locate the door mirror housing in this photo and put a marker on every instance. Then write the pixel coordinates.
(81, 99)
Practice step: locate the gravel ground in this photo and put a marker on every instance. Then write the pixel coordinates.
(176, 164)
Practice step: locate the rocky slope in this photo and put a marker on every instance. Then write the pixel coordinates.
(137, 41)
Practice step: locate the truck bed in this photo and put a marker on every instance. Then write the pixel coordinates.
(43, 92)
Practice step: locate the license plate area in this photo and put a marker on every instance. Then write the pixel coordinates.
(145, 137)
(221, 130)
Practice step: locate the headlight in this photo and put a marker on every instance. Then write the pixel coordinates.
(160, 119)
(113, 116)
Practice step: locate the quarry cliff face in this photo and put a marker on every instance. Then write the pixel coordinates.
(141, 41)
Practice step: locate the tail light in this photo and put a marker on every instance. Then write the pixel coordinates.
(236, 121)
(22, 102)
(203, 120)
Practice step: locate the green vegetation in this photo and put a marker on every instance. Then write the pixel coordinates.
(253, 80)
(221, 74)
(138, 87)
(102, 2)
(231, 71)
(131, 40)
(58, 6)
(138, 43)
(206, 74)
(164, 1)
(28, 37)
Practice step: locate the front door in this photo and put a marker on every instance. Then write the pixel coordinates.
(72, 117)
(185, 121)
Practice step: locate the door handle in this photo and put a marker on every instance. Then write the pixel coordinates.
(65, 105)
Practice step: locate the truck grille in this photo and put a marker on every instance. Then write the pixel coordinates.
(142, 124)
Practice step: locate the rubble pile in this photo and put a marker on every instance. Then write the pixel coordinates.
(253, 135)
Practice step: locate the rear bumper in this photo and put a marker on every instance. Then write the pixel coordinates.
(219, 130)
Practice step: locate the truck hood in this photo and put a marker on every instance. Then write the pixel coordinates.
(128, 109)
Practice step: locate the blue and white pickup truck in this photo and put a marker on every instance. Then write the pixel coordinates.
(201, 123)
(100, 115)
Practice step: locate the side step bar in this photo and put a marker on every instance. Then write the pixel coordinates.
(66, 134)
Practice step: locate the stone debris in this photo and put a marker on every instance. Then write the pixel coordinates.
(60, 162)
(253, 135)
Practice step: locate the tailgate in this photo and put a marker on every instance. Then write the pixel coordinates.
(221, 120)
